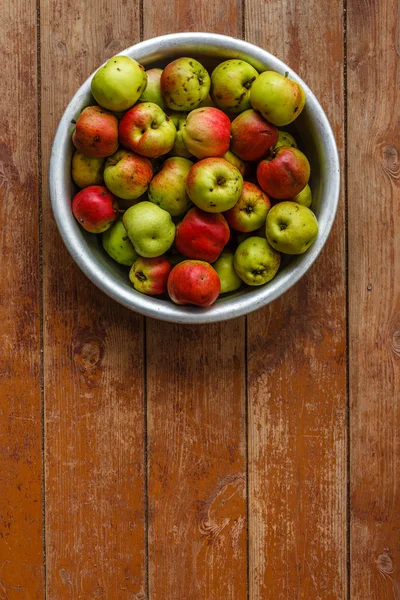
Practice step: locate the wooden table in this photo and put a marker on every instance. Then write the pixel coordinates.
(257, 459)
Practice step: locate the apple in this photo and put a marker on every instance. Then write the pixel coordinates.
(291, 228)
(279, 99)
(252, 136)
(285, 139)
(150, 275)
(250, 211)
(230, 281)
(147, 130)
(284, 174)
(202, 235)
(304, 197)
(118, 245)
(150, 229)
(255, 261)
(207, 132)
(119, 83)
(152, 92)
(95, 208)
(179, 148)
(168, 187)
(214, 185)
(206, 102)
(96, 132)
(235, 161)
(194, 282)
(185, 83)
(87, 170)
(127, 175)
(231, 82)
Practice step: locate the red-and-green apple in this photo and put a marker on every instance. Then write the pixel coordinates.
(168, 187)
(185, 83)
(179, 148)
(150, 275)
(147, 130)
(127, 175)
(152, 93)
(202, 235)
(250, 211)
(214, 185)
(231, 82)
(252, 136)
(279, 99)
(284, 174)
(95, 208)
(96, 132)
(207, 132)
(87, 170)
(194, 282)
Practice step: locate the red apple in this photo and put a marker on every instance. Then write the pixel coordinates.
(202, 235)
(147, 130)
(96, 132)
(95, 208)
(207, 132)
(250, 211)
(194, 282)
(252, 136)
(150, 275)
(285, 174)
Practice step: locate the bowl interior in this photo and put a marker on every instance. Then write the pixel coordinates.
(311, 129)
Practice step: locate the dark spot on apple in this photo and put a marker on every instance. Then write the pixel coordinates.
(140, 275)
(97, 138)
(282, 226)
(154, 125)
(103, 194)
(118, 69)
(167, 118)
(73, 122)
(81, 220)
(124, 239)
(115, 61)
(143, 131)
(296, 109)
(221, 180)
(139, 87)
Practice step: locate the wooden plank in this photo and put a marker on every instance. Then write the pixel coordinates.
(95, 503)
(297, 383)
(196, 418)
(21, 540)
(374, 276)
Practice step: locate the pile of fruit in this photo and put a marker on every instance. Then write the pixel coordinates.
(188, 178)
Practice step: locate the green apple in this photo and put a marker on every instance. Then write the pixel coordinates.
(150, 229)
(152, 93)
(235, 161)
(185, 84)
(127, 175)
(118, 245)
(291, 228)
(168, 187)
(179, 148)
(279, 99)
(250, 211)
(214, 185)
(230, 281)
(304, 197)
(231, 82)
(87, 170)
(255, 261)
(119, 83)
(285, 139)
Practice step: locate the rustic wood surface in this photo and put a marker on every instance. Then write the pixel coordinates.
(257, 459)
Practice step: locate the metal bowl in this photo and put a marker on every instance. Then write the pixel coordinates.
(312, 128)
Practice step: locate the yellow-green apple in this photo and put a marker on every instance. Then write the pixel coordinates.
(284, 173)
(95, 208)
(231, 82)
(207, 132)
(252, 136)
(127, 175)
(185, 83)
(150, 275)
(147, 130)
(202, 235)
(250, 211)
(150, 229)
(118, 245)
(285, 139)
(179, 148)
(96, 132)
(119, 83)
(194, 282)
(255, 261)
(230, 281)
(235, 161)
(304, 197)
(87, 170)
(152, 93)
(279, 99)
(168, 187)
(291, 228)
(214, 185)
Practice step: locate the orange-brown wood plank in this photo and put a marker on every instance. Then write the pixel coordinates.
(95, 502)
(297, 361)
(374, 288)
(196, 418)
(21, 539)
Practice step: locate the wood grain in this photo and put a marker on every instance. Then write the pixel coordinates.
(374, 292)
(21, 540)
(196, 418)
(95, 504)
(297, 361)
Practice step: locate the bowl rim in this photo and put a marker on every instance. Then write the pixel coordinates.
(228, 307)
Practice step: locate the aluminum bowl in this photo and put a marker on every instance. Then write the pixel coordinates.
(312, 128)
